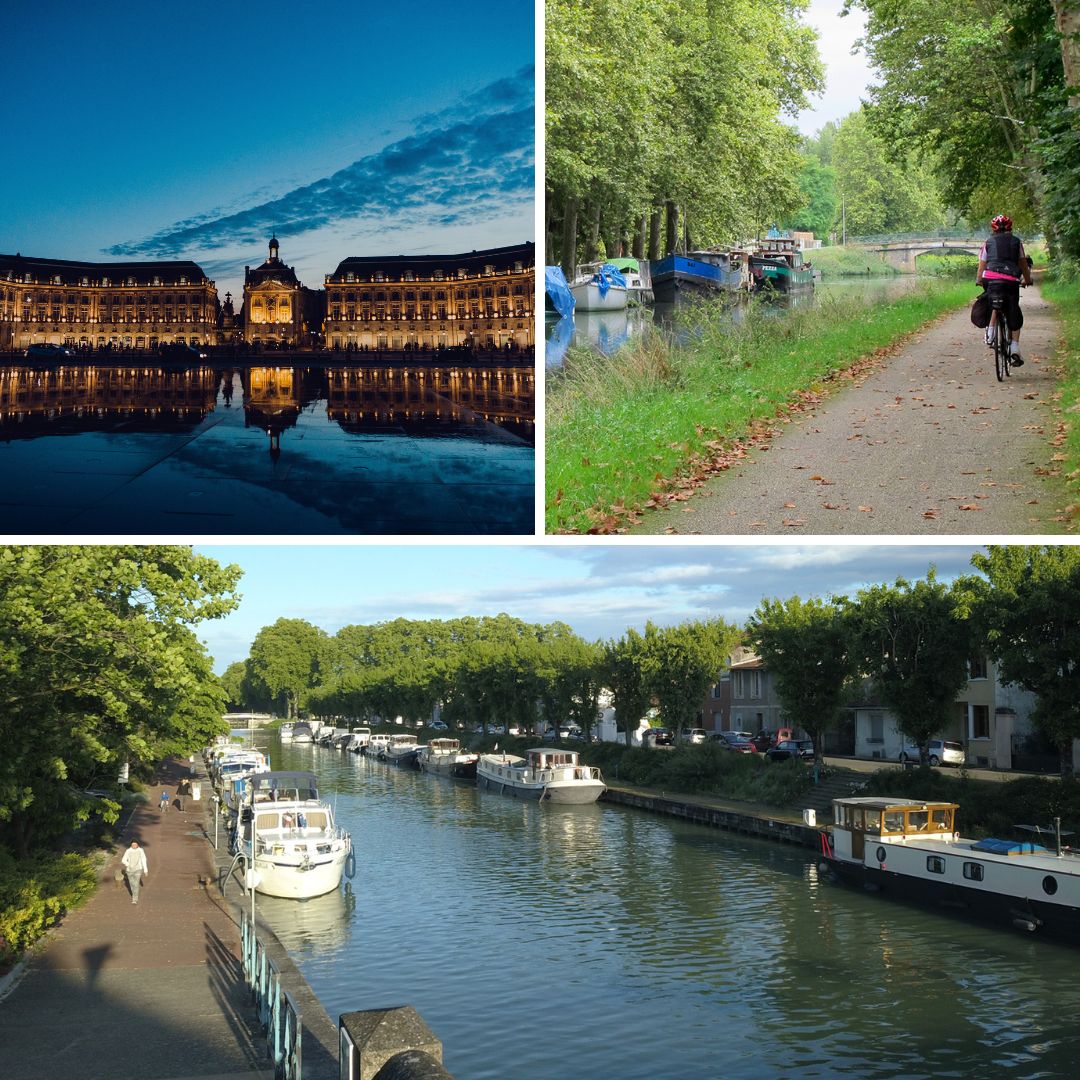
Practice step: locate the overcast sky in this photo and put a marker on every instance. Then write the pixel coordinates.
(147, 131)
(598, 589)
(846, 76)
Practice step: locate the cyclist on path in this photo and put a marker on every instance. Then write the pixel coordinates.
(1002, 266)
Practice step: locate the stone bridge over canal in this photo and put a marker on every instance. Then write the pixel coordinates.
(902, 253)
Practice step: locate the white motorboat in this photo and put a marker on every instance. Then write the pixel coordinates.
(361, 736)
(376, 744)
(599, 287)
(548, 774)
(401, 750)
(445, 756)
(909, 848)
(286, 732)
(287, 835)
(302, 732)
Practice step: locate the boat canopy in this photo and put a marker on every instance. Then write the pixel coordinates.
(284, 785)
(882, 816)
(558, 291)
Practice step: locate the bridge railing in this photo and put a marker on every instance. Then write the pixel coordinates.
(940, 234)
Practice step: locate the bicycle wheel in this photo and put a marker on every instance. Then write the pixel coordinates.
(1001, 348)
(1006, 346)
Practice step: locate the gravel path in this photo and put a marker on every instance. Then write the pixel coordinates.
(930, 443)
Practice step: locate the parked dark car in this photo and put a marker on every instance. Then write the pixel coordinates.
(735, 740)
(50, 351)
(789, 748)
(658, 736)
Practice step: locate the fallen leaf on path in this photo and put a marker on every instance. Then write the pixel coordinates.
(792, 523)
(831, 506)
(759, 524)
(931, 514)
(866, 509)
(970, 506)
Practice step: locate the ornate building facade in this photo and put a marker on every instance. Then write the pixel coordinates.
(483, 299)
(98, 305)
(273, 303)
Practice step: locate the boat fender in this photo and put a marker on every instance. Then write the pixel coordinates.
(1025, 924)
(350, 864)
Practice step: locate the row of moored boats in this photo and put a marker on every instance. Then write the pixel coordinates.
(775, 264)
(547, 774)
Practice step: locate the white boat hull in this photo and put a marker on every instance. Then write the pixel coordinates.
(578, 785)
(587, 297)
(290, 880)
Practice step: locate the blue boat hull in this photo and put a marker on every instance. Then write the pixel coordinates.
(678, 274)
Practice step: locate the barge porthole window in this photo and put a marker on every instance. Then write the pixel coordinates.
(935, 864)
(881, 854)
(1049, 885)
(973, 871)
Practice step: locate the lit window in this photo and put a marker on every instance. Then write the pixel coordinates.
(935, 864)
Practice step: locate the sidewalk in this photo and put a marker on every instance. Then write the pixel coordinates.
(153, 990)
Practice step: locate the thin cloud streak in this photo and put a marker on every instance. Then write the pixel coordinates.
(475, 166)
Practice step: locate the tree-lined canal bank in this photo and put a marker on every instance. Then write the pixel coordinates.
(645, 946)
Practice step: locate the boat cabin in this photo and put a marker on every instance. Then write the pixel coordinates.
(551, 759)
(444, 746)
(881, 819)
(401, 741)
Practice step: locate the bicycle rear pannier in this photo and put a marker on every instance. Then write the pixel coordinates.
(981, 311)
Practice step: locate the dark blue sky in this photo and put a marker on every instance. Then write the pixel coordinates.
(159, 131)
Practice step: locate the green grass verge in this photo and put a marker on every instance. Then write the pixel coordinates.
(1064, 295)
(621, 427)
(849, 262)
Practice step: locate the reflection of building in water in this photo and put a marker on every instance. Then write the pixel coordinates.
(277, 308)
(92, 305)
(91, 397)
(483, 299)
(274, 396)
(430, 397)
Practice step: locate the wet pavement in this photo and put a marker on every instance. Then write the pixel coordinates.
(108, 450)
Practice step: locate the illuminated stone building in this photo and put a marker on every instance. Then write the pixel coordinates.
(94, 305)
(273, 303)
(481, 300)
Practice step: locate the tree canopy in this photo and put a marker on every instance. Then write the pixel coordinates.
(99, 665)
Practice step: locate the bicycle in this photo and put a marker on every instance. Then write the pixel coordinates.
(1002, 355)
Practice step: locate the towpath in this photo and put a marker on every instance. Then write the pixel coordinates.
(928, 443)
(154, 990)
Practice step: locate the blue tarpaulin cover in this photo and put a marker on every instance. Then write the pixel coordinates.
(607, 276)
(558, 291)
(1008, 847)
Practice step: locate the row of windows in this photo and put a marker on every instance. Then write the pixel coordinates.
(975, 871)
(105, 282)
(115, 298)
(436, 275)
(335, 295)
(56, 316)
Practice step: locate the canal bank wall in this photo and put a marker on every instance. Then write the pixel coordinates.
(778, 827)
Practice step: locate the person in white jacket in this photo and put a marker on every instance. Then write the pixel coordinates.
(134, 864)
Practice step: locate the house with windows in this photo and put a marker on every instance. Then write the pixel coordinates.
(990, 719)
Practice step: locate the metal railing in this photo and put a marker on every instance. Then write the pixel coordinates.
(276, 1010)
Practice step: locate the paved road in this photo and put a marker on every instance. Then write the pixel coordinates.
(930, 443)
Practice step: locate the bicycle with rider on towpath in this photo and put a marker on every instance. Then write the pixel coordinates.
(1003, 264)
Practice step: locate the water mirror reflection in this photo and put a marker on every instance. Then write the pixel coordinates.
(140, 447)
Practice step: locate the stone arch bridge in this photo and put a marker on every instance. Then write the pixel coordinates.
(902, 254)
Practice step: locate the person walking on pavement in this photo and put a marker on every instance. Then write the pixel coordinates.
(134, 864)
(183, 790)
(163, 802)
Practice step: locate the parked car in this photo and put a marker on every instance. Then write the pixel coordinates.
(657, 736)
(54, 352)
(566, 731)
(939, 752)
(735, 740)
(438, 725)
(789, 748)
(694, 735)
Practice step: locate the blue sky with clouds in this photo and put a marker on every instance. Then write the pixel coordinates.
(350, 128)
(598, 589)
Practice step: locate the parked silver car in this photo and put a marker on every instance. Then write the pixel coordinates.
(939, 752)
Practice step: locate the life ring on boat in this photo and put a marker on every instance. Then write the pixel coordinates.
(350, 864)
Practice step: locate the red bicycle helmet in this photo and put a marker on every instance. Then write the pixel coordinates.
(1002, 223)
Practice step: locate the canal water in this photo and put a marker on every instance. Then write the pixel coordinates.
(541, 943)
(607, 331)
(396, 448)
